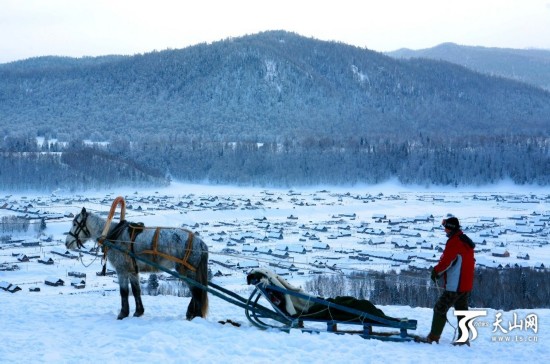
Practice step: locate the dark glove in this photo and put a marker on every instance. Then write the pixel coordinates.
(434, 276)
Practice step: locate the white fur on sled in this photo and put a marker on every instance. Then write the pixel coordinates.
(293, 304)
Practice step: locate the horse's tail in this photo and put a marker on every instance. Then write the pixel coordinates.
(202, 278)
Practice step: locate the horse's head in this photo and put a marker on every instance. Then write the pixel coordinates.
(79, 232)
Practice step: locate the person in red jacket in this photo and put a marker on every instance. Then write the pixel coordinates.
(456, 266)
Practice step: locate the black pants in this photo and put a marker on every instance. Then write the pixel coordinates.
(458, 300)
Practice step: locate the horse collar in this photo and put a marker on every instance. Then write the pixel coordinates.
(117, 231)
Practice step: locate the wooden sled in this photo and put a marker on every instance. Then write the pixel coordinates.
(291, 309)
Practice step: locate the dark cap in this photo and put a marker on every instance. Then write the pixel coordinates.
(451, 223)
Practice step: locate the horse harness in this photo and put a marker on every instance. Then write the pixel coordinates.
(80, 226)
(134, 229)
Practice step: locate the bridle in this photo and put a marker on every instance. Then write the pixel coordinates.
(80, 227)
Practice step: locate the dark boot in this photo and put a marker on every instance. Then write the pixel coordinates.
(438, 323)
(428, 339)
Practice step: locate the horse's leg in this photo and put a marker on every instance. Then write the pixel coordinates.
(202, 278)
(195, 306)
(124, 292)
(136, 291)
(199, 297)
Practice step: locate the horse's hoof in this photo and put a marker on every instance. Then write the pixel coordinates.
(121, 316)
(191, 317)
(138, 314)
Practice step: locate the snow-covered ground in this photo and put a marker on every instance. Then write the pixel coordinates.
(83, 328)
(65, 324)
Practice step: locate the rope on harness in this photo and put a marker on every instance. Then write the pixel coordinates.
(135, 230)
(188, 249)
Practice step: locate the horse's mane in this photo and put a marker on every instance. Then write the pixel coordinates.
(96, 222)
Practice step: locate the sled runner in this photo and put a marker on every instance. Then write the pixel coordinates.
(292, 308)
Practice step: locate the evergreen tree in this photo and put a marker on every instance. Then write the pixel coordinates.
(153, 284)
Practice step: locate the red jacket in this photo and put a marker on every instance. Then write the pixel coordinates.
(457, 263)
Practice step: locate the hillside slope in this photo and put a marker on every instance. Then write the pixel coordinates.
(531, 66)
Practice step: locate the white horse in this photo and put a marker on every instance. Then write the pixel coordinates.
(171, 248)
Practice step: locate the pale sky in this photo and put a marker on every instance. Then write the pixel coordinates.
(76, 28)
